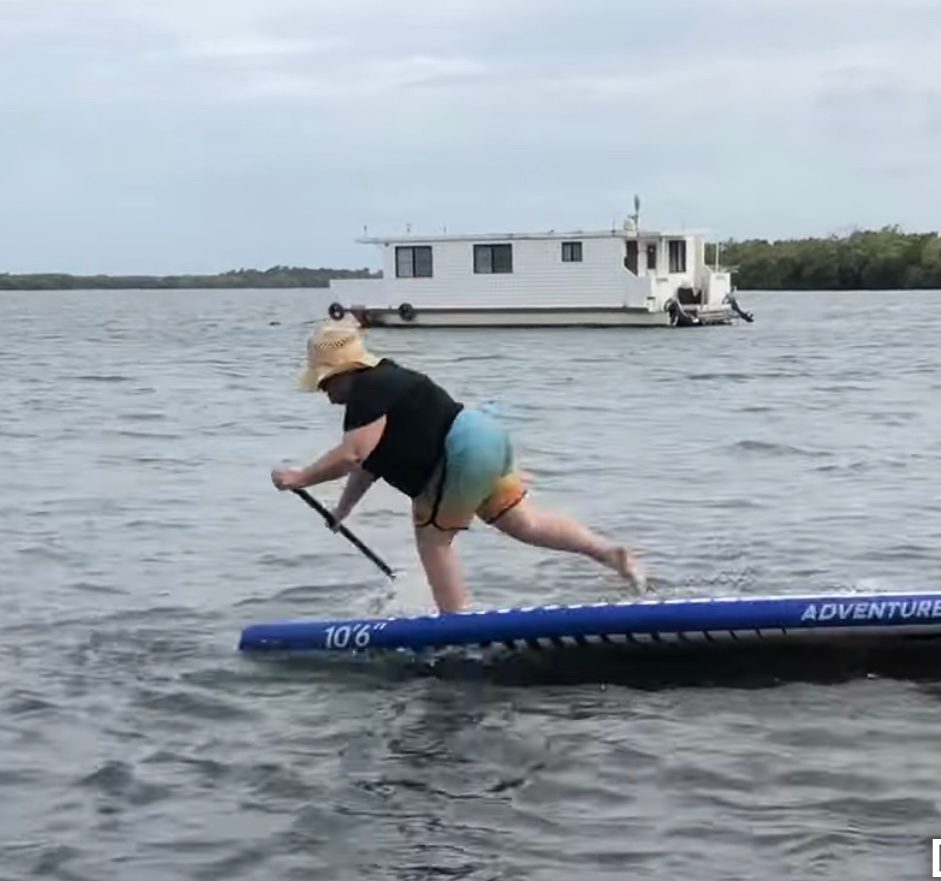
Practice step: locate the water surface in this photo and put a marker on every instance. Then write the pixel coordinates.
(140, 532)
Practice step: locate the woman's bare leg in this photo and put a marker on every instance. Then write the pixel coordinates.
(442, 568)
(558, 532)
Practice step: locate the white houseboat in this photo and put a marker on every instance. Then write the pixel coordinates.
(618, 277)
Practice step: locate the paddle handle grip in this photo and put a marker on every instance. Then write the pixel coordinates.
(349, 536)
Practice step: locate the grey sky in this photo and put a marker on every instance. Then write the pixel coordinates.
(200, 135)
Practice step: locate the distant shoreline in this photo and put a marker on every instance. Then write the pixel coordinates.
(864, 260)
(277, 277)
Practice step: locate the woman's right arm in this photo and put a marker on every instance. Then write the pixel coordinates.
(357, 484)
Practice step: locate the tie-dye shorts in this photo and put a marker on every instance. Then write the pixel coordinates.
(477, 475)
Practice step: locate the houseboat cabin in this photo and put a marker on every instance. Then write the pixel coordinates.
(617, 277)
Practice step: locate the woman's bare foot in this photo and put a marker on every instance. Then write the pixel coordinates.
(622, 561)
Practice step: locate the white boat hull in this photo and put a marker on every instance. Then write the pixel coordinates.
(574, 316)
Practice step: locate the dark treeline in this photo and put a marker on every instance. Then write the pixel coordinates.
(885, 259)
(276, 277)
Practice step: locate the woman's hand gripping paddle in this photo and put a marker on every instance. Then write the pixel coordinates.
(331, 522)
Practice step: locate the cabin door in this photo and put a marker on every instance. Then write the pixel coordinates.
(630, 256)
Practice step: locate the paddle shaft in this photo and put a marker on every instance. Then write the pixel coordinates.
(349, 536)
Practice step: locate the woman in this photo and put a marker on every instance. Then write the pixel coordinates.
(452, 461)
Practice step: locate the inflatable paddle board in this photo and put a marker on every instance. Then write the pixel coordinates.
(643, 624)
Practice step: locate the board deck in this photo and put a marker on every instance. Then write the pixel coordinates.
(643, 624)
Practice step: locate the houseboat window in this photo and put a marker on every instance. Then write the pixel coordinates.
(571, 252)
(678, 255)
(493, 258)
(413, 261)
(651, 258)
(630, 258)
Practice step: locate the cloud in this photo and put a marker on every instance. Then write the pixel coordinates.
(204, 134)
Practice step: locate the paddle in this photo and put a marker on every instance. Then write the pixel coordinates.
(320, 509)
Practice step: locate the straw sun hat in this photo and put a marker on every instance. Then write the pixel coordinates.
(334, 348)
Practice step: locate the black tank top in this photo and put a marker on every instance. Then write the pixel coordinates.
(418, 415)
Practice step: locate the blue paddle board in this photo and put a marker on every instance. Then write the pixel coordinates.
(643, 624)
